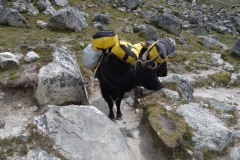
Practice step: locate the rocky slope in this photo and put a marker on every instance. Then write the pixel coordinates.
(199, 103)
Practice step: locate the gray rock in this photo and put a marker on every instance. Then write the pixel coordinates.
(222, 106)
(102, 18)
(234, 78)
(133, 133)
(236, 47)
(131, 4)
(202, 30)
(181, 39)
(49, 10)
(152, 33)
(183, 85)
(11, 17)
(122, 9)
(2, 124)
(31, 56)
(210, 133)
(33, 108)
(18, 55)
(99, 26)
(137, 28)
(214, 36)
(39, 154)
(129, 29)
(61, 2)
(8, 60)
(211, 43)
(172, 94)
(61, 81)
(20, 7)
(234, 153)
(42, 24)
(43, 4)
(68, 18)
(237, 134)
(167, 22)
(84, 132)
(216, 59)
(32, 10)
(3, 3)
(149, 13)
(221, 29)
(228, 66)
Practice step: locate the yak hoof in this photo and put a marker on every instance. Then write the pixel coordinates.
(119, 118)
(111, 117)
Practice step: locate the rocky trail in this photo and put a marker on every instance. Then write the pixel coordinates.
(18, 108)
(137, 133)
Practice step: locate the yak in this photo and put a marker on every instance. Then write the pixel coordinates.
(117, 77)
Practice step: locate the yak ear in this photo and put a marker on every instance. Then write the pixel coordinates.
(145, 64)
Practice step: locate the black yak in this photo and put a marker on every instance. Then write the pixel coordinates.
(117, 77)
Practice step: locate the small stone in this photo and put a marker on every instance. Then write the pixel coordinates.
(33, 108)
(133, 133)
(205, 105)
(237, 134)
(2, 124)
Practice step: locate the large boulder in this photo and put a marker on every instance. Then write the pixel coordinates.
(132, 4)
(210, 133)
(84, 132)
(152, 33)
(19, 6)
(61, 81)
(69, 18)
(211, 43)
(183, 84)
(167, 22)
(102, 18)
(12, 17)
(202, 30)
(43, 4)
(3, 3)
(61, 2)
(236, 47)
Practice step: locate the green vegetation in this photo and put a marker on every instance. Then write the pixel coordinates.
(170, 132)
(219, 80)
(21, 145)
(232, 121)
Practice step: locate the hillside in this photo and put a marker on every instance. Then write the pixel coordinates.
(199, 65)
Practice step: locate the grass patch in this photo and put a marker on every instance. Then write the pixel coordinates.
(232, 58)
(45, 53)
(21, 146)
(173, 143)
(232, 121)
(182, 57)
(219, 80)
(171, 85)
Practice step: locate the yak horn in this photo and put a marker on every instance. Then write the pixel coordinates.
(145, 54)
(149, 62)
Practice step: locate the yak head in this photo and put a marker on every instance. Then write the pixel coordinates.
(146, 75)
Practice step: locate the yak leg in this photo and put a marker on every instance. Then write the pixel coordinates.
(118, 104)
(162, 70)
(109, 101)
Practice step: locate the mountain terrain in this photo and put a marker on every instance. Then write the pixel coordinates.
(195, 115)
